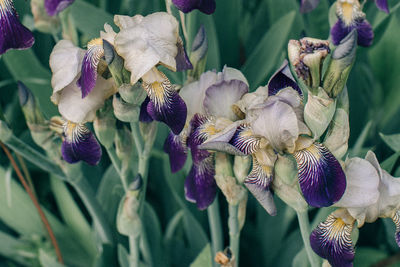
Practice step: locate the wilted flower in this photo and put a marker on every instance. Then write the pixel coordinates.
(205, 6)
(53, 7)
(351, 17)
(14, 35)
(210, 110)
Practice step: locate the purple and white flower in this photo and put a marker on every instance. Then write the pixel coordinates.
(205, 6)
(53, 7)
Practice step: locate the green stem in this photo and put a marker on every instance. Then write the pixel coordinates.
(88, 197)
(305, 234)
(136, 138)
(134, 251)
(117, 166)
(214, 220)
(234, 231)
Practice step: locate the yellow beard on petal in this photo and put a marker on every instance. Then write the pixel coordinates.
(158, 91)
(337, 229)
(347, 13)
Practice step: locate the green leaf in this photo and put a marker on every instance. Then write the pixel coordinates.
(89, 19)
(268, 52)
(204, 259)
(152, 227)
(24, 66)
(47, 260)
(393, 141)
(123, 256)
(389, 163)
(106, 257)
(368, 256)
(9, 248)
(301, 259)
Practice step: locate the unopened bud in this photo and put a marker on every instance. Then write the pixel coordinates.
(123, 143)
(340, 65)
(115, 64)
(241, 167)
(132, 94)
(128, 220)
(105, 125)
(198, 55)
(43, 22)
(124, 111)
(318, 112)
(338, 134)
(307, 57)
(285, 183)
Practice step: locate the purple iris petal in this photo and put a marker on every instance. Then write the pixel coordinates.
(197, 136)
(308, 5)
(321, 177)
(205, 6)
(396, 220)
(258, 182)
(143, 115)
(14, 35)
(331, 240)
(90, 62)
(200, 185)
(182, 59)
(382, 5)
(80, 144)
(245, 141)
(364, 31)
(281, 79)
(166, 105)
(53, 7)
(176, 149)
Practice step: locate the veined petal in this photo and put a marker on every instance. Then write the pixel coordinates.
(201, 128)
(200, 185)
(144, 116)
(396, 220)
(175, 147)
(221, 96)
(258, 182)
(91, 60)
(182, 59)
(382, 5)
(165, 103)
(321, 177)
(281, 79)
(14, 35)
(65, 63)
(245, 140)
(205, 6)
(331, 240)
(80, 144)
(146, 42)
(53, 7)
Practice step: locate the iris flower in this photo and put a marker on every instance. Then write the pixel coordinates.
(144, 43)
(14, 35)
(273, 124)
(371, 193)
(53, 7)
(68, 64)
(205, 6)
(210, 101)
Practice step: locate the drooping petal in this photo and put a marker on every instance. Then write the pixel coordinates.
(144, 116)
(308, 5)
(200, 185)
(201, 128)
(281, 79)
(65, 64)
(53, 7)
(91, 60)
(182, 59)
(339, 31)
(258, 182)
(13, 35)
(80, 144)
(176, 149)
(221, 96)
(205, 6)
(165, 103)
(331, 240)
(321, 177)
(365, 33)
(77, 109)
(396, 220)
(245, 140)
(147, 41)
(382, 5)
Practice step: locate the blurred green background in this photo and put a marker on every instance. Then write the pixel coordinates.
(250, 35)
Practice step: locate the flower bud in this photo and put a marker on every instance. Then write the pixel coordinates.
(318, 112)
(105, 125)
(149, 131)
(128, 220)
(115, 64)
(43, 22)
(124, 111)
(307, 56)
(241, 167)
(285, 183)
(132, 94)
(123, 143)
(340, 65)
(198, 56)
(338, 134)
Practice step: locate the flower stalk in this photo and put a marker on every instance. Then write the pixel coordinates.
(214, 221)
(305, 234)
(234, 231)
